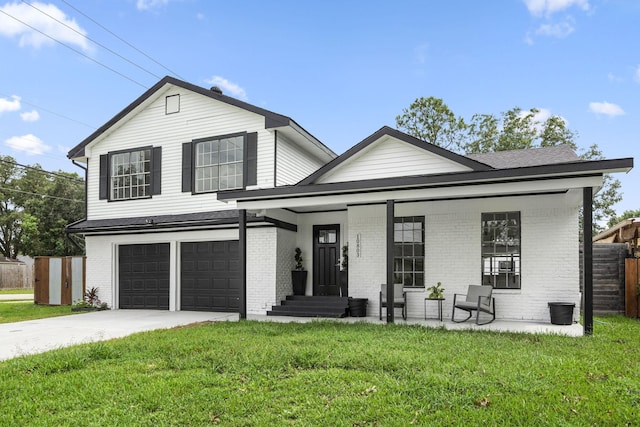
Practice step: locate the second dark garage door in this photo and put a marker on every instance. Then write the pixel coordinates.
(209, 276)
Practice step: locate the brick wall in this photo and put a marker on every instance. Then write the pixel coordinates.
(549, 233)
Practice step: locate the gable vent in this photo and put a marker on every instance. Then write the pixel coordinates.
(216, 89)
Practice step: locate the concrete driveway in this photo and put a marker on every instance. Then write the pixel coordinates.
(37, 336)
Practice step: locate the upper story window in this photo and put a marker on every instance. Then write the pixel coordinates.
(408, 258)
(131, 175)
(501, 250)
(219, 164)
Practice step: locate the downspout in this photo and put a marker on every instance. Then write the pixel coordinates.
(86, 170)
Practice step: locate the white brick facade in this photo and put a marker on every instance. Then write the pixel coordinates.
(549, 234)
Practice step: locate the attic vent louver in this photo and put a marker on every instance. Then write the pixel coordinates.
(216, 89)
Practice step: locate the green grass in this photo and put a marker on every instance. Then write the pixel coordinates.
(331, 374)
(19, 311)
(15, 291)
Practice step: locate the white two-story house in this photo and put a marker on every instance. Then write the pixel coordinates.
(196, 201)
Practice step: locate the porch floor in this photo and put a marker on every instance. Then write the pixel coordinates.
(574, 330)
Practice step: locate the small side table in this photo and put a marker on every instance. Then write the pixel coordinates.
(439, 300)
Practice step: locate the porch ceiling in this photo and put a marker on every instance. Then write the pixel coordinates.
(301, 202)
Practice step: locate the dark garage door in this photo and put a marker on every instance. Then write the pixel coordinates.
(210, 276)
(144, 276)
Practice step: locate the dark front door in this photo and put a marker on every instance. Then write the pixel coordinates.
(326, 259)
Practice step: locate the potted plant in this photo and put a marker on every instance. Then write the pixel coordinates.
(299, 274)
(344, 272)
(437, 291)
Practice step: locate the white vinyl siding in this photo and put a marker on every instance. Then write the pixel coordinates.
(199, 117)
(291, 166)
(390, 157)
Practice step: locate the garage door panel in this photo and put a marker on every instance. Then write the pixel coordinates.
(207, 284)
(143, 275)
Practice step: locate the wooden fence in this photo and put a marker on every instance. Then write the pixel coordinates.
(608, 278)
(16, 275)
(632, 285)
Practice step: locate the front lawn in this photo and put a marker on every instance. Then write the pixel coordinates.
(331, 374)
(18, 311)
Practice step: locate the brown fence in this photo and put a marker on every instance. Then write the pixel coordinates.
(14, 275)
(59, 280)
(632, 285)
(608, 278)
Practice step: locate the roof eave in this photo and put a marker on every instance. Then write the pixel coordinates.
(552, 171)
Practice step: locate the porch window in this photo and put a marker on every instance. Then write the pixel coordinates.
(408, 260)
(501, 250)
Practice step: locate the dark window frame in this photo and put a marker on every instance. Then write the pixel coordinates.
(409, 252)
(153, 187)
(501, 249)
(249, 162)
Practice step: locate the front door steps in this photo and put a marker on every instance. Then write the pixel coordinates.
(311, 306)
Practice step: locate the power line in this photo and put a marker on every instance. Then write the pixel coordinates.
(120, 38)
(59, 175)
(94, 41)
(52, 112)
(75, 50)
(41, 195)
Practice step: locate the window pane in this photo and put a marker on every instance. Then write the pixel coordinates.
(501, 249)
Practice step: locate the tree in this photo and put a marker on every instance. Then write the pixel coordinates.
(431, 120)
(35, 207)
(516, 130)
(625, 215)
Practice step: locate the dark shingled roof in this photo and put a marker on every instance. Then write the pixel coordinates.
(158, 221)
(524, 158)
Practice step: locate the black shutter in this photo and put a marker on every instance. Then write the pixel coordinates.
(252, 159)
(156, 167)
(104, 177)
(186, 167)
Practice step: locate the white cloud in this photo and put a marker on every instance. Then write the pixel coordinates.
(559, 30)
(636, 73)
(613, 78)
(228, 87)
(6, 105)
(421, 53)
(30, 116)
(541, 116)
(150, 4)
(606, 108)
(30, 144)
(549, 7)
(10, 27)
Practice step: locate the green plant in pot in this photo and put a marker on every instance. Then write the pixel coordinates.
(299, 274)
(436, 291)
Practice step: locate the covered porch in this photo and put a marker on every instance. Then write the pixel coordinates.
(415, 214)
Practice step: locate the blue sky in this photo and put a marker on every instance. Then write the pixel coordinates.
(341, 69)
